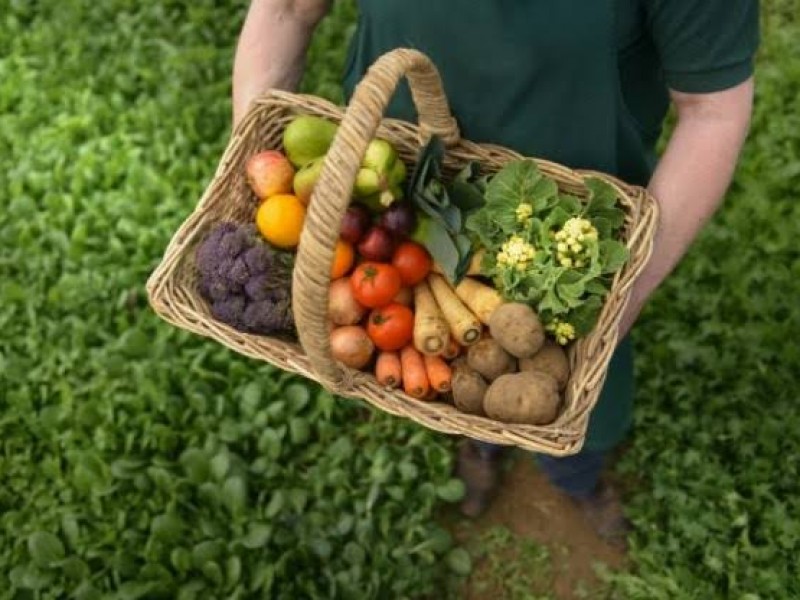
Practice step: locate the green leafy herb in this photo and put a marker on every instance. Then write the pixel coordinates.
(548, 249)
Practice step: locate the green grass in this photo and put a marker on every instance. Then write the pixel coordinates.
(138, 461)
(509, 567)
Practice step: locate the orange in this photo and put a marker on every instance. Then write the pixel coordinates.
(280, 220)
(342, 259)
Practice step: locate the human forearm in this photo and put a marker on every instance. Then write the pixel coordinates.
(272, 47)
(691, 179)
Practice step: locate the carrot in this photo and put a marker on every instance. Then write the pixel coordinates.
(464, 326)
(431, 330)
(451, 350)
(439, 373)
(479, 298)
(415, 380)
(387, 369)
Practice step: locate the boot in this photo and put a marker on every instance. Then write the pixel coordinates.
(481, 475)
(602, 510)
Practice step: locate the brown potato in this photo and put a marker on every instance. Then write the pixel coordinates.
(551, 359)
(517, 328)
(490, 360)
(469, 388)
(529, 398)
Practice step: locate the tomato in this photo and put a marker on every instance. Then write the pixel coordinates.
(413, 262)
(391, 327)
(375, 284)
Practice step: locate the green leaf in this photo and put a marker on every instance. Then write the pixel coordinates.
(602, 196)
(234, 494)
(86, 591)
(167, 527)
(440, 540)
(584, 317)
(181, 559)
(206, 552)
(45, 548)
(276, 504)
(71, 529)
(613, 255)
(452, 491)
(220, 464)
(133, 590)
(465, 190)
(30, 577)
(213, 572)
(428, 192)
(251, 398)
(354, 553)
(269, 443)
(195, 464)
(298, 499)
(299, 430)
(233, 571)
(190, 590)
(459, 561)
(257, 535)
(298, 396)
(262, 577)
(125, 468)
(439, 243)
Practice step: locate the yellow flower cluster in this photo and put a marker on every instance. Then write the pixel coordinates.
(516, 253)
(572, 239)
(562, 331)
(524, 212)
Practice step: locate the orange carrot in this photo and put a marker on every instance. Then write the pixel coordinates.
(439, 373)
(415, 380)
(451, 350)
(387, 369)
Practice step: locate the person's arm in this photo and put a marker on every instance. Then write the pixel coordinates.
(272, 48)
(692, 178)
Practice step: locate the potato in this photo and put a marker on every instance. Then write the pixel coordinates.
(490, 360)
(529, 398)
(469, 388)
(551, 359)
(517, 329)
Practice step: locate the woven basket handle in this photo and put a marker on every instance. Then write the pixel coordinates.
(333, 190)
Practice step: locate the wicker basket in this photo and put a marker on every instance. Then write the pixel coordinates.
(174, 297)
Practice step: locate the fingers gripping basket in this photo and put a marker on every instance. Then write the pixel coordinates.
(174, 296)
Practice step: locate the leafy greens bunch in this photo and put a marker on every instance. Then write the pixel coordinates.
(551, 250)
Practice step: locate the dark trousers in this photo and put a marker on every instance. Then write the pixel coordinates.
(576, 475)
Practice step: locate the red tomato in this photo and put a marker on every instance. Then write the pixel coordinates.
(413, 262)
(391, 327)
(375, 284)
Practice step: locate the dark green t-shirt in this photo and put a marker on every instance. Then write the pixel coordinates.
(581, 82)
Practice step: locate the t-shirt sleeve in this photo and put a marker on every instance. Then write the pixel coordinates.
(704, 45)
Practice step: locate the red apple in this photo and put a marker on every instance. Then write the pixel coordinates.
(355, 223)
(269, 173)
(377, 245)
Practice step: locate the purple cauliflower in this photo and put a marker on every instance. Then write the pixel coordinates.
(246, 281)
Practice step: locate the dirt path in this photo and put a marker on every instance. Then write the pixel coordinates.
(544, 525)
